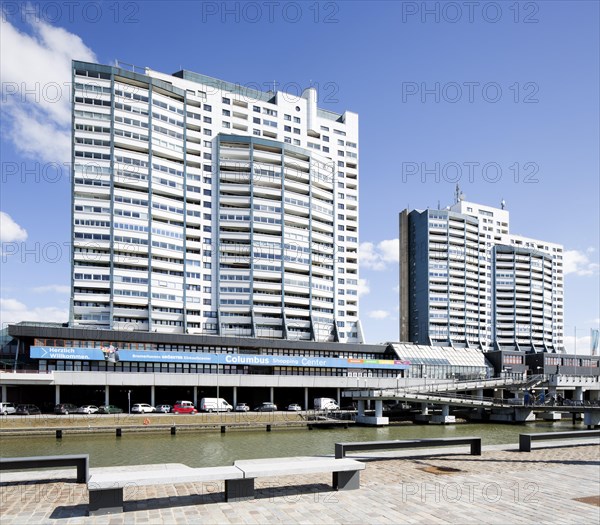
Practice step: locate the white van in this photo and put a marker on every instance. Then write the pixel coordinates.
(215, 404)
(326, 403)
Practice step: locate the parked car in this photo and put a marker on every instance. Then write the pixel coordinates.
(242, 407)
(110, 409)
(294, 407)
(266, 407)
(87, 409)
(184, 407)
(65, 408)
(142, 408)
(214, 404)
(165, 409)
(7, 408)
(26, 410)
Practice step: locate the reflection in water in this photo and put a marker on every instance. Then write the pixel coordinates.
(204, 449)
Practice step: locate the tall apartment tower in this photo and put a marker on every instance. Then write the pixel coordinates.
(465, 280)
(204, 207)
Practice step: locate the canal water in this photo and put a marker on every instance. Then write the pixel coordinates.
(207, 449)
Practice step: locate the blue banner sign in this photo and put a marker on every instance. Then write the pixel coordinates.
(114, 355)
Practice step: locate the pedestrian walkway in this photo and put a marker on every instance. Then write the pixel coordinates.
(548, 485)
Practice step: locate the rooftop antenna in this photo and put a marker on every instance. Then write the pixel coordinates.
(457, 194)
(502, 204)
(438, 204)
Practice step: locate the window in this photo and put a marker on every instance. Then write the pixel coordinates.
(226, 125)
(255, 120)
(226, 100)
(207, 107)
(287, 128)
(296, 142)
(287, 140)
(226, 113)
(297, 120)
(256, 109)
(287, 117)
(297, 131)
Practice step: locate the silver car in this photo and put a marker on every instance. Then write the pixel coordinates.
(7, 408)
(142, 408)
(88, 409)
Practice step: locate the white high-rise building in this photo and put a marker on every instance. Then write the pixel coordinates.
(203, 207)
(466, 280)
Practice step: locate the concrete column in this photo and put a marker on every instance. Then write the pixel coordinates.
(195, 394)
(152, 394)
(339, 397)
(424, 409)
(4, 398)
(106, 395)
(56, 394)
(306, 407)
(445, 410)
(578, 393)
(361, 407)
(479, 393)
(234, 396)
(378, 408)
(271, 394)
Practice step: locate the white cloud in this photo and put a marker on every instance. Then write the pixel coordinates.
(36, 88)
(378, 256)
(10, 231)
(583, 344)
(397, 289)
(14, 311)
(363, 287)
(54, 288)
(579, 263)
(378, 314)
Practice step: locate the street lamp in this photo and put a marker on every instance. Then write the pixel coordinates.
(129, 401)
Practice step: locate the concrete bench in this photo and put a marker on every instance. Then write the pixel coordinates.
(474, 442)
(346, 472)
(106, 488)
(81, 461)
(526, 439)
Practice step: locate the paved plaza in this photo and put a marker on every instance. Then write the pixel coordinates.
(555, 484)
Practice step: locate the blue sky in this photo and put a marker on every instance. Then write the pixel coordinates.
(510, 84)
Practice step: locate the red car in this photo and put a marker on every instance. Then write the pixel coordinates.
(184, 407)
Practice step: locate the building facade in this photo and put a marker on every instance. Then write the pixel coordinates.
(203, 207)
(466, 280)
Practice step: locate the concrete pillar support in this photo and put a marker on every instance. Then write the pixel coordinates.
(152, 395)
(56, 394)
(378, 408)
(361, 407)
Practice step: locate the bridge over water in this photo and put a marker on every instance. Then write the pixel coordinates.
(448, 394)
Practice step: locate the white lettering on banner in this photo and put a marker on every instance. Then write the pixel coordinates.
(313, 362)
(246, 360)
